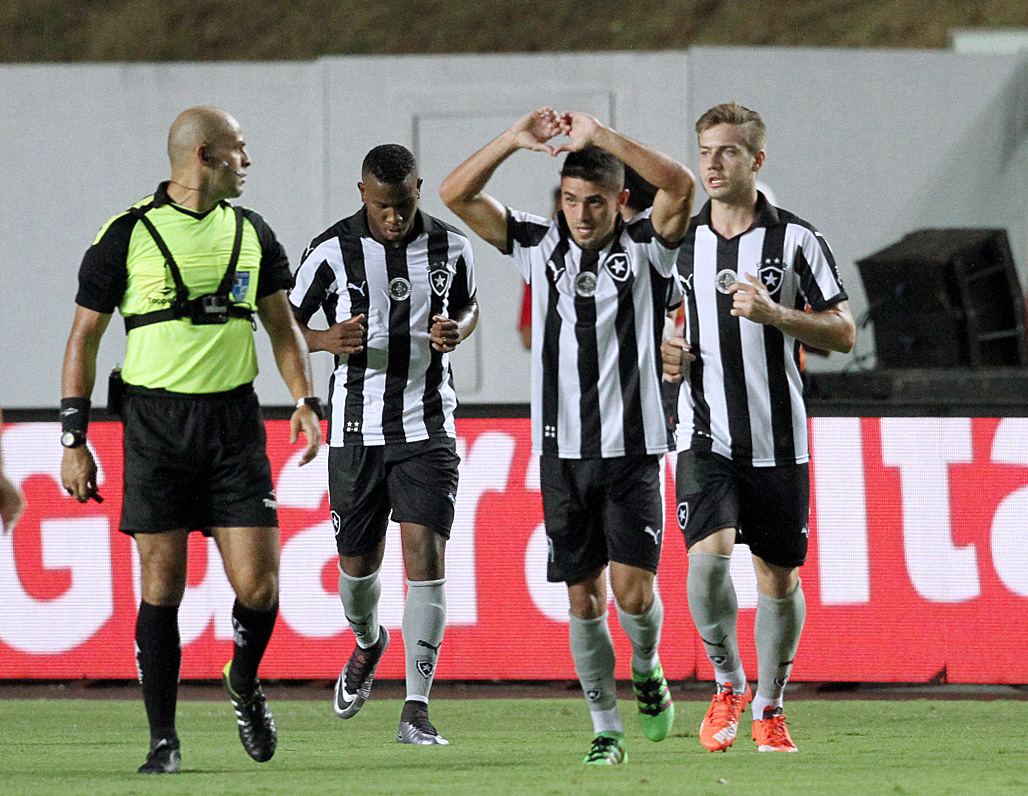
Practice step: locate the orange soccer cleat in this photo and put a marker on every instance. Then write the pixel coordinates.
(771, 733)
(721, 724)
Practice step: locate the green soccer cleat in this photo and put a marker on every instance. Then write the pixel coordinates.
(608, 749)
(656, 710)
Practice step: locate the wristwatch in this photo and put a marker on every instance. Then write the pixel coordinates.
(73, 439)
(313, 403)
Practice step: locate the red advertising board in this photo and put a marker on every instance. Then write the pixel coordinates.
(918, 564)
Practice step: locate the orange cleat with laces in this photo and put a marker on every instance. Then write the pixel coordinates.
(771, 733)
(721, 724)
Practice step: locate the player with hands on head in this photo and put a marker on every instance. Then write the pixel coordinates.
(750, 271)
(188, 271)
(600, 287)
(405, 284)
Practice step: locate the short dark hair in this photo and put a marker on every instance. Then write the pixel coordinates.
(640, 192)
(389, 163)
(593, 164)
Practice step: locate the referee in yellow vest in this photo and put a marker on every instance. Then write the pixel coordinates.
(188, 271)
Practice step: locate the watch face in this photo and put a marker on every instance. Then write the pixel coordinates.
(69, 439)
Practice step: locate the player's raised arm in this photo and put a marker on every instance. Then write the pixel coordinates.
(675, 183)
(464, 190)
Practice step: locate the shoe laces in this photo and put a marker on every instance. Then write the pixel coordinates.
(725, 705)
(361, 661)
(604, 748)
(651, 693)
(774, 732)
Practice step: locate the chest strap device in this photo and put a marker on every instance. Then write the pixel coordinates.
(210, 308)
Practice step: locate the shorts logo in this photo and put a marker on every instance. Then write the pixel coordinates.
(440, 279)
(426, 668)
(550, 552)
(683, 515)
(336, 521)
(241, 285)
(652, 532)
(270, 502)
(806, 530)
(617, 264)
(399, 289)
(770, 273)
(724, 280)
(585, 284)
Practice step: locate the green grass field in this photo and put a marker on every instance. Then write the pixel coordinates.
(518, 747)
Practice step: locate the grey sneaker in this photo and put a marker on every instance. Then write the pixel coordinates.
(353, 687)
(164, 758)
(415, 728)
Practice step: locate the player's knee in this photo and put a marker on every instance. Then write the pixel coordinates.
(259, 592)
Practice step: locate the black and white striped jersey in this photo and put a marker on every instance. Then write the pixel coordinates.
(597, 318)
(398, 389)
(744, 398)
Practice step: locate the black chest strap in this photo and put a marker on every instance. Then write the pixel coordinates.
(210, 308)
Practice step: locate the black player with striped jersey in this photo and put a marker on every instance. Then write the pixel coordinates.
(397, 287)
(759, 283)
(599, 290)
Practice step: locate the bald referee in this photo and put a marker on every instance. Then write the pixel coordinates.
(188, 271)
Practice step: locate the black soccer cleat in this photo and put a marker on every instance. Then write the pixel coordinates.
(164, 757)
(353, 687)
(256, 724)
(415, 728)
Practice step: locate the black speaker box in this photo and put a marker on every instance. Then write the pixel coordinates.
(946, 298)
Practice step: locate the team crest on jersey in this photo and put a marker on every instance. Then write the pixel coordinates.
(585, 284)
(440, 278)
(724, 280)
(618, 266)
(240, 286)
(399, 289)
(770, 273)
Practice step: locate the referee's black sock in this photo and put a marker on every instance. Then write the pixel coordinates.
(252, 633)
(158, 656)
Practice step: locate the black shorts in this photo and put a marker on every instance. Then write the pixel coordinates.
(417, 480)
(601, 510)
(768, 506)
(195, 462)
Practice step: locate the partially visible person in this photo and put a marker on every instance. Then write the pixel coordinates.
(750, 269)
(188, 271)
(12, 502)
(397, 287)
(600, 287)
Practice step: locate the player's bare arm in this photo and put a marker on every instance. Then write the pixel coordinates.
(12, 502)
(345, 337)
(78, 468)
(464, 190)
(672, 206)
(832, 329)
(446, 333)
(294, 364)
(675, 353)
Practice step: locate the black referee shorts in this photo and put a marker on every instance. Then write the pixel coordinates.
(601, 510)
(768, 506)
(195, 462)
(416, 480)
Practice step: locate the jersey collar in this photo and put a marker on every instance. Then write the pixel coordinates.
(766, 214)
(161, 198)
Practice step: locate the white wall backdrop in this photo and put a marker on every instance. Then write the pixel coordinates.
(867, 145)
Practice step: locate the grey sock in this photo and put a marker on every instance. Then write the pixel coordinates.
(593, 652)
(643, 630)
(424, 622)
(777, 631)
(714, 609)
(360, 604)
